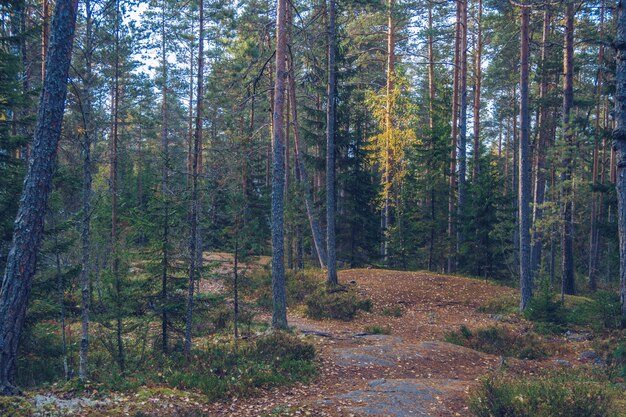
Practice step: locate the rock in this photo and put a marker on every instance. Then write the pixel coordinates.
(496, 317)
(562, 362)
(589, 356)
(578, 337)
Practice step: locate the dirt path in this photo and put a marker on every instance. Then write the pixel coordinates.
(410, 372)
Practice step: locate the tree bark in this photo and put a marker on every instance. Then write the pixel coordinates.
(194, 217)
(477, 86)
(462, 142)
(28, 228)
(544, 143)
(164, 186)
(316, 230)
(388, 176)
(83, 370)
(279, 311)
(594, 235)
(619, 142)
(526, 280)
(567, 256)
(453, 147)
(331, 267)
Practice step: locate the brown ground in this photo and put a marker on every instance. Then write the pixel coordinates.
(412, 364)
(410, 372)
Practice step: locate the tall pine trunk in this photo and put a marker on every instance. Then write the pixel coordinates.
(28, 227)
(331, 267)
(544, 143)
(86, 197)
(164, 186)
(279, 310)
(594, 235)
(194, 217)
(526, 280)
(477, 86)
(453, 147)
(619, 138)
(567, 245)
(311, 211)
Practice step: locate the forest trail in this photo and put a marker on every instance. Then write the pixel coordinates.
(411, 371)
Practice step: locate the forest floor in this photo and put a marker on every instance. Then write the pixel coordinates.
(409, 371)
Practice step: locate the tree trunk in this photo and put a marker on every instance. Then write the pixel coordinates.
(594, 235)
(388, 178)
(28, 228)
(462, 142)
(477, 86)
(453, 147)
(164, 186)
(83, 370)
(544, 143)
(194, 217)
(279, 311)
(526, 280)
(311, 211)
(113, 178)
(567, 256)
(330, 149)
(619, 138)
(431, 126)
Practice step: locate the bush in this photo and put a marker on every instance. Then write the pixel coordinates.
(498, 341)
(601, 313)
(395, 311)
(285, 346)
(376, 329)
(341, 304)
(15, 407)
(545, 309)
(564, 394)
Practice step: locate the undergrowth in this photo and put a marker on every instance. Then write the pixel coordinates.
(561, 394)
(498, 341)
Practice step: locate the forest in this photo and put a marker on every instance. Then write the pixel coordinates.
(313, 207)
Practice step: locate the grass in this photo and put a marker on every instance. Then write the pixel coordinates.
(497, 340)
(341, 303)
(223, 369)
(395, 311)
(378, 329)
(557, 394)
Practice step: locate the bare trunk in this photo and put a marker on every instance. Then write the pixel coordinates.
(526, 279)
(193, 239)
(453, 148)
(311, 211)
(279, 311)
(619, 138)
(594, 235)
(388, 167)
(331, 267)
(544, 143)
(83, 370)
(567, 256)
(164, 186)
(28, 228)
(477, 86)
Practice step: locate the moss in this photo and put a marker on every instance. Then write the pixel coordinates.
(15, 407)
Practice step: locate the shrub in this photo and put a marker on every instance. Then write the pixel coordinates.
(395, 311)
(376, 329)
(285, 346)
(506, 304)
(498, 341)
(15, 407)
(341, 304)
(563, 394)
(544, 308)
